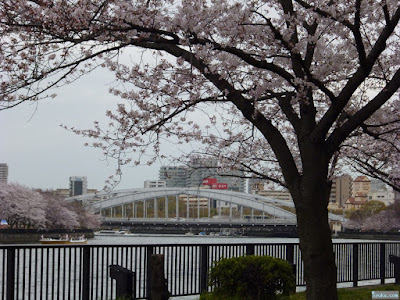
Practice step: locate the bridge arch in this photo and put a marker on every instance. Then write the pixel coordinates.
(103, 200)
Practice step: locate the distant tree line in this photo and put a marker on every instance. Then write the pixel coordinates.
(23, 207)
(375, 216)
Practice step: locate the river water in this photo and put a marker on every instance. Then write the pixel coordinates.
(148, 239)
(127, 239)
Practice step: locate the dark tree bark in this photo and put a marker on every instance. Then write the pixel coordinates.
(310, 191)
(315, 238)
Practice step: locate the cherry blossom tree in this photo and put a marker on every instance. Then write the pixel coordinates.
(384, 221)
(285, 90)
(85, 217)
(21, 207)
(58, 214)
(379, 219)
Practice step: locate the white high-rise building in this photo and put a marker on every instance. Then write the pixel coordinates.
(149, 184)
(3, 173)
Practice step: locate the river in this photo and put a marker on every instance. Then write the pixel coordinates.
(157, 239)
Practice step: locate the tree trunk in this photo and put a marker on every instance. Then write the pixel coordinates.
(311, 201)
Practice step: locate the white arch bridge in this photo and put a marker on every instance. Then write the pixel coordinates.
(198, 203)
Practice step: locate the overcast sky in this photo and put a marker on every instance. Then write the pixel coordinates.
(41, 154)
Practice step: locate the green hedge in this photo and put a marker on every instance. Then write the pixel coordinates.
(252, 277)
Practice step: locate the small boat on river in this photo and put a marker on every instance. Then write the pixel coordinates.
(64, 240)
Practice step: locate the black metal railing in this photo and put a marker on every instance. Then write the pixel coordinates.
(82, 272)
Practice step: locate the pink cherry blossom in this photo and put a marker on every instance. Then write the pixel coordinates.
(293, 91)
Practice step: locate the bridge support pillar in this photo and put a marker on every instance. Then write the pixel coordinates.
(187, 207)
(198, 207)
(166, 207)
(176, 206)
(155, 215)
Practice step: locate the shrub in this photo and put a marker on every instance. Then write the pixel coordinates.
(252, 277)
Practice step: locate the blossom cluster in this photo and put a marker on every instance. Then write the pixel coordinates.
(249, 82)
(23, 207)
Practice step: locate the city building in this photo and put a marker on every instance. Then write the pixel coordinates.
(195, 201)
(356, 201)
(386, 197)
(268, 189)
(378, 185)
(361, 184)
(276, 194)
(149, 184)
(197, 170)
(77, 185)
(200, 169)
(65, 193)
(3, 173)
(255, 185)
(341, 190)
(174, 176)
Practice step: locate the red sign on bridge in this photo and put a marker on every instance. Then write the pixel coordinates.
(213, 183)
(220, 186)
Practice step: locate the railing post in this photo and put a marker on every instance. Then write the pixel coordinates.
(203, 268)
(355, 265)
(125, 280)
(396, 261)
(10, 273)
(149, 252)
(382, 262)
(250, 250)
(85, 273)
(290, 260)
(290, 253)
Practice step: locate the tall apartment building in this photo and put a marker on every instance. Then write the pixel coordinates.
(202, 168)
(77, 185)
(341, 191)
(173, 176)
(361, 184)
(3, 173)
(197, 170)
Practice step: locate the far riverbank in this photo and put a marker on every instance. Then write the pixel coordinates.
(368, 235)
(29, 236)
